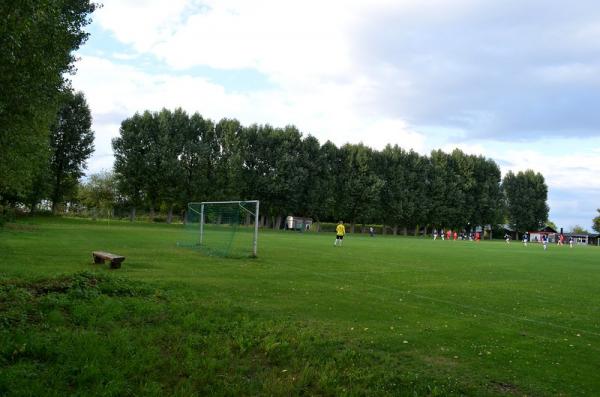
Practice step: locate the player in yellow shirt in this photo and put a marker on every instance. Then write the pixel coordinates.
(340, 231)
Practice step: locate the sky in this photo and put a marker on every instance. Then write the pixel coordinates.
(515, 81)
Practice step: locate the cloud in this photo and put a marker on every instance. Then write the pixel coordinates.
(502, 70)
(495, 69)
(115, 91)
(573, 207)
(567, 171)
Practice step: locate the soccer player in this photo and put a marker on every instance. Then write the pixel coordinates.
(455, 236)
(340, 232)
(545, 242)
(571, 242)
(434, 234)
(525, 239)
(507, 238)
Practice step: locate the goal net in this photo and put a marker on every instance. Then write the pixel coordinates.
(223, 228)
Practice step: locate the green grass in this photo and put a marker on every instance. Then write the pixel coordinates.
(384, 315)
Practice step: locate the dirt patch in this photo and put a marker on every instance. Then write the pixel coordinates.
(506, 388)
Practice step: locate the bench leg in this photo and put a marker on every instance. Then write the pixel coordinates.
(98, 260)
(115, 264)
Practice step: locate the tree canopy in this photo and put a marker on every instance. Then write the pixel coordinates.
(168, 158)
(526, 197)
(37, 41)
(596, 222)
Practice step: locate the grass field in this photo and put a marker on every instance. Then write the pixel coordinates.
(378, 316)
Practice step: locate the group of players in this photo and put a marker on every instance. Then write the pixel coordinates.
(449, 235)
(544, 240)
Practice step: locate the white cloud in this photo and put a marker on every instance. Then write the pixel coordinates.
(329, 112)
(140, 23)
(568, 171)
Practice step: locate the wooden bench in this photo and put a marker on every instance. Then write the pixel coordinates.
(115, 260)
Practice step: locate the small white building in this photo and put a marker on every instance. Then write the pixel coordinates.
(536, 236)
(298, 223)
(578, 238)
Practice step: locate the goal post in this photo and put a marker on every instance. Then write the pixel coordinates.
(223, 228)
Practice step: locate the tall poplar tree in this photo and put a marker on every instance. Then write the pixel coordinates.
(71, 145)
(526, 197)
(130, 151)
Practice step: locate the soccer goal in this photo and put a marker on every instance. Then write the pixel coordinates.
(223, 228)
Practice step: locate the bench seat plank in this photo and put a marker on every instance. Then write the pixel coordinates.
(115, 260)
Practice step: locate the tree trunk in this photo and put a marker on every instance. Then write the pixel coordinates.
(277, 222)
(417, 228)
(132, 214)
(152, 213)
(383, 230)
(395, 230)
(352, 226)
(405, 231)
(170, 214)
(318, 226)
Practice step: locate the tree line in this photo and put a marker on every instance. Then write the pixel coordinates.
(169, 158)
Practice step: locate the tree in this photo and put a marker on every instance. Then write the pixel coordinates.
(316, 188)
(130, 162)
(403, 195)
(596, 221)
(100, 192)
(359, 185)
(71, 144)
(578, 230)
(438, 189)
(272, 170)
(37, 41)
(322, 180)
(485, 195)
(194, 160)
(228, 176)
(171, 132)
(526, 196)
